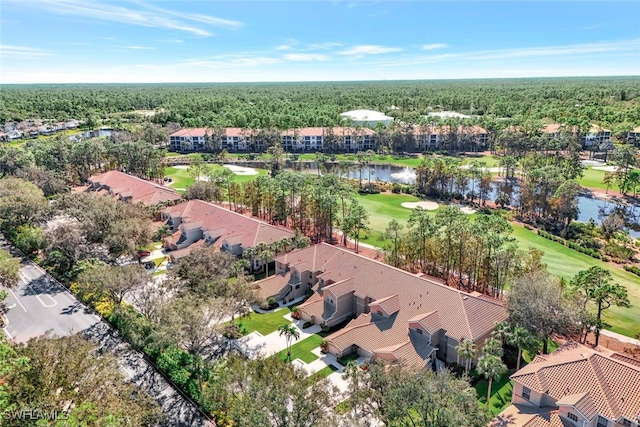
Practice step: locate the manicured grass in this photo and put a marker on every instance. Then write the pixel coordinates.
(566, 262)
(322, 373)
(348, 358)
(383, 207)
(302, 349)
(182, 178)
(378, 158)
(593, 179)
(263, 323)
(501, 391)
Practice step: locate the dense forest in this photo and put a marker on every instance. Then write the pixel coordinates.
(611, 102)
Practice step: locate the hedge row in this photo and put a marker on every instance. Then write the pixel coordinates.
(574, 246)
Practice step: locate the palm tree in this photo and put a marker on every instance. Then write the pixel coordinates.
(265, 257)
(501, 332)
(290, 333)
(491, 367)
(467, 350)
(492, 347)
(519, 337)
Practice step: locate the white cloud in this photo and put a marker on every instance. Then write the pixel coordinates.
(22, 52)
(301, 57)
(288, 45)
(138, 47)
(369, 49)
(549, 51)
(146, 16)
(434, 46)
(230, 61)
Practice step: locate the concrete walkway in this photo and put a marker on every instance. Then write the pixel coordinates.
(619, 337)
(255, 344)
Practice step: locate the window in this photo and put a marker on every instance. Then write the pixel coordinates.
(526, 393)
(298, 286)
(602, 422)
(379, 313)
(419, 331)
(626, 422)
(572, 417)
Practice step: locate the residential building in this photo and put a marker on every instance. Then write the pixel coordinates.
(195, 223)
(367, 118)
(596, 137)
(131, 188)
(634, 136)
(434, 137)
(576, 386)
(189, 139)
(385, 311)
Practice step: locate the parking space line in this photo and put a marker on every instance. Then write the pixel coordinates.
(14, 295)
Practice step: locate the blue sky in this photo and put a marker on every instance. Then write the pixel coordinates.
(67, 41)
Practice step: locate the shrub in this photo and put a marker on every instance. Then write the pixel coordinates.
(396, 188)
(295, 315)
(528, 227)
(307, 325)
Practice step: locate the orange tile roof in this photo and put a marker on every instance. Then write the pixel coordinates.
(462, 315)
(548, 419)
(388, 305)
(229, 225)
(271, 285)
(140, 190)
(613, 385)
(190, 132)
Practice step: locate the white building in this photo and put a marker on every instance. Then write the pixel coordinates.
(367, 117)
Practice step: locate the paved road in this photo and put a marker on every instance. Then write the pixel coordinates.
(39, 304)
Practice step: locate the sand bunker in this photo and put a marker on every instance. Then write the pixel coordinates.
(467, 210)
(241, 170)
(606, 168)
(429, 206)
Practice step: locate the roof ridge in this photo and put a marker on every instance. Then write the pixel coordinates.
(603, 384)
(466, 315)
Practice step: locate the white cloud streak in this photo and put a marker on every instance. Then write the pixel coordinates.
(434, 46)
(146, 16)
(302, 57)
(369, 49)
(22, 52)
(138, 47)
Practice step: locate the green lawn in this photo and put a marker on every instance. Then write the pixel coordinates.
(593, 179)
(322, 373)
(182, 178)
(378, 158)
(263, 323)
(501, 391)
(566, 262)
(302, 349)
(381, 208)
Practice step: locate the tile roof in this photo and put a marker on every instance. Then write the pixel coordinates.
(271, 285)
(140, 190)
(229, 225)
(462, 315)
(548, 419)
(611, 384)
(388, 305)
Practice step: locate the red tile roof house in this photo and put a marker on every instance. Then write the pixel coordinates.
(130, 188)
(575, 386)
(195, 223)
(396, 315)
